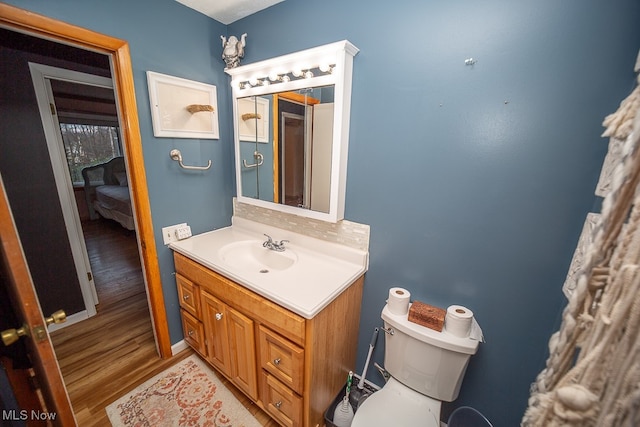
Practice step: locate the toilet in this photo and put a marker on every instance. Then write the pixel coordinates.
(426, 367)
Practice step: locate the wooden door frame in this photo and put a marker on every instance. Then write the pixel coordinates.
(23, 21)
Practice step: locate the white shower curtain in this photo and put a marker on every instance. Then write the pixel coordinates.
(592, 376)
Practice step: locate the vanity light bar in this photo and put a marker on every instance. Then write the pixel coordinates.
(297, 74)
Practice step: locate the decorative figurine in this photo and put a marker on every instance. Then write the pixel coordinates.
(233, 50)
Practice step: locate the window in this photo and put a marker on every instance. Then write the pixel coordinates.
(88, 145)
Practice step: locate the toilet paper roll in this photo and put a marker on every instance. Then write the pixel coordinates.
(458, 321)
(398, 301)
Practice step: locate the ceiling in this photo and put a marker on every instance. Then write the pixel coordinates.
(228, 11)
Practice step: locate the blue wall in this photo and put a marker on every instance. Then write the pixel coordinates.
(475, 180)
(168, 38)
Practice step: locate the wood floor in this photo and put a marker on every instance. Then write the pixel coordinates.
(108, 355)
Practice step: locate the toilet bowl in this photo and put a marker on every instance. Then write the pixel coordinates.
(398, 406)
(426, 368)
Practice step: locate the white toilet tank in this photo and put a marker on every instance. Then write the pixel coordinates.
(431, 362)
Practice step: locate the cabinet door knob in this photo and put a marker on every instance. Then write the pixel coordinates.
(218, 316)
(186, 297)
(278, 404)
(276, 361)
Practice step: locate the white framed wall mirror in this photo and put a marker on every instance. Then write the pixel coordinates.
(291, 122)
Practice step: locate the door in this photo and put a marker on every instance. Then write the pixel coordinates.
(230, 343)
(215, 330)
(242, 352)
(293, 159)
(322, 137)
(25, 304)
(41, 76)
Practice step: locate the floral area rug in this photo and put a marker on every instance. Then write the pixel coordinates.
(187, 394)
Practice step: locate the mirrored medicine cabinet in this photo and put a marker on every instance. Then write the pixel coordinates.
(291, 131)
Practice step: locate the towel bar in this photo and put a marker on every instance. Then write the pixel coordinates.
(256, 155)
(176, 155)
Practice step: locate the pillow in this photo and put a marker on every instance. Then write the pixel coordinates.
(121, 177)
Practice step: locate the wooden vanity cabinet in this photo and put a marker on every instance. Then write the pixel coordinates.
(289, 366)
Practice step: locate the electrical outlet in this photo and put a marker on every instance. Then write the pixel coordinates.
(183, 232)
(169, 234)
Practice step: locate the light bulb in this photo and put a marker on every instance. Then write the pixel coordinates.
(296, 73)
(324, 67)
(308, 74)
(253, 81)
(274, 77)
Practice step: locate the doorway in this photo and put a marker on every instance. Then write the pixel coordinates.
(117, 53)
(82, 105)
(81, 128)
(292, 159)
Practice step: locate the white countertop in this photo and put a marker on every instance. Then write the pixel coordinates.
(322, 271)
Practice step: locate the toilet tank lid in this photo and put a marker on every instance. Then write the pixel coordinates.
(442, 339)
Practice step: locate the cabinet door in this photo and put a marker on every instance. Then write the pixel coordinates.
(215, 331)
(242, 352)
(193, 332)
(189, 295)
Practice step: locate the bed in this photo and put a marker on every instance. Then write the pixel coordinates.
(107, 192)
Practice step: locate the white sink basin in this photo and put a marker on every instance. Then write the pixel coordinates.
(251, 255)
(304, 278)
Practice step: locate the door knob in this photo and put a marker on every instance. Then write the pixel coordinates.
(58, 317)
(9, 336)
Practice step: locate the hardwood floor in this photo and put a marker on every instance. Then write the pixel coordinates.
(108, 355)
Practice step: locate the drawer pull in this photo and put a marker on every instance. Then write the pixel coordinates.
(278, 404)
(276, 361)
(190, 333)
(218, 316)
(186, 297)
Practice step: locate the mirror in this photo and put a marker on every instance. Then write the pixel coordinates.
(291, 125)
(285, 147)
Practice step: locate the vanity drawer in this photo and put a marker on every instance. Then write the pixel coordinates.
(282, 358)
(279, 319)
(189, 295)
(281, 402)
(193, 332)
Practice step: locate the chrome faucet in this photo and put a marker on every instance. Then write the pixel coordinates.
(274, 246)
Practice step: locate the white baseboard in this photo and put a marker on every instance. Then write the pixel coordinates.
(178, 347)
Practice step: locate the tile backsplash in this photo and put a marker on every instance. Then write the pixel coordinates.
(344, 232)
